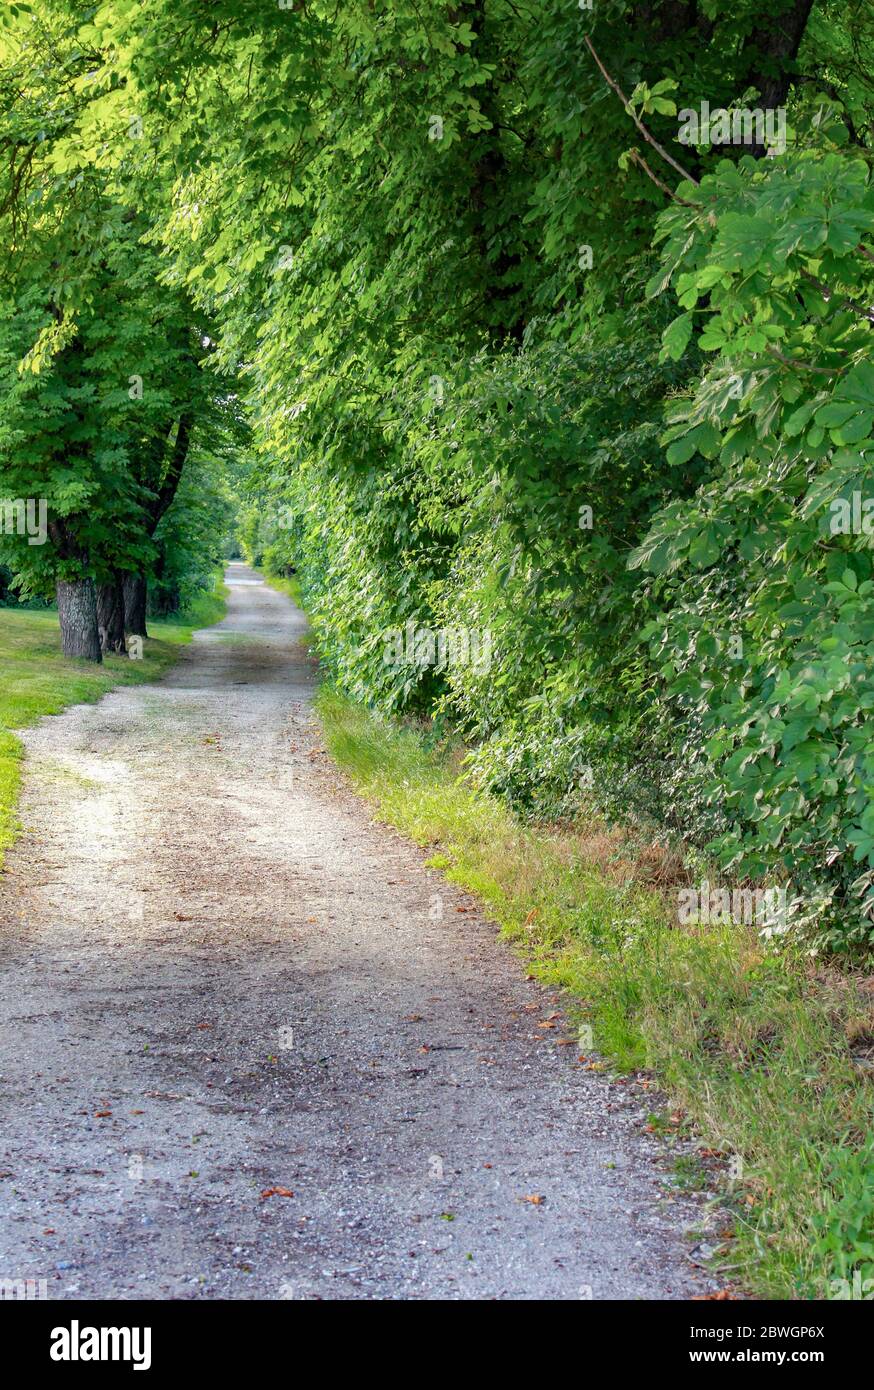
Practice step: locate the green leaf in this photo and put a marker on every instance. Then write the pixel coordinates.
(676, 336)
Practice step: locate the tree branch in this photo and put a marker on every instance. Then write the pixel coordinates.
(804, 366)
(845, 301)
(172, 477)
(638, 158)
(684, 173)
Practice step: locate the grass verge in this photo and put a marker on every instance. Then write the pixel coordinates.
(37, 680)
(768, 1055)
(284, 585)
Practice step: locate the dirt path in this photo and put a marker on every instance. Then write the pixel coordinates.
(219, 978)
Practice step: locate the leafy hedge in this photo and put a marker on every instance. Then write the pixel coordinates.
(698, 651)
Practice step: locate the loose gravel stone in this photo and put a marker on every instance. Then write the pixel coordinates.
(251, 1050)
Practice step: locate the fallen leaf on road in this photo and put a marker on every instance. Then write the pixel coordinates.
(535, 1199)
(102, 1114)
(276, 1192)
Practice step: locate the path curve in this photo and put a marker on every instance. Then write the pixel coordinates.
(220, 978)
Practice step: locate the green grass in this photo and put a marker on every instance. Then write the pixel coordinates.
(37, 680)
(755, 1048)
(283, 585)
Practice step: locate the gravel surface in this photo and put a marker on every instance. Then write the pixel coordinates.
(253, 1048)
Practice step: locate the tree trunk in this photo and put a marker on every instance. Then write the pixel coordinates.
(134, 589)
(772, 49)
(77, 611)
(165, 602)
(110, 617)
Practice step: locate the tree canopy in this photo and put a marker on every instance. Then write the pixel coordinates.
(547, 322)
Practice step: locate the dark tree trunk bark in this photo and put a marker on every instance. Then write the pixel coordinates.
(77, 612)
(501, 302)
(110, 617)
(167, 602)
(134, 587)
(772, 48)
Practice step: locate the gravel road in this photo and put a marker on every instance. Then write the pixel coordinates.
(252, 1047)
